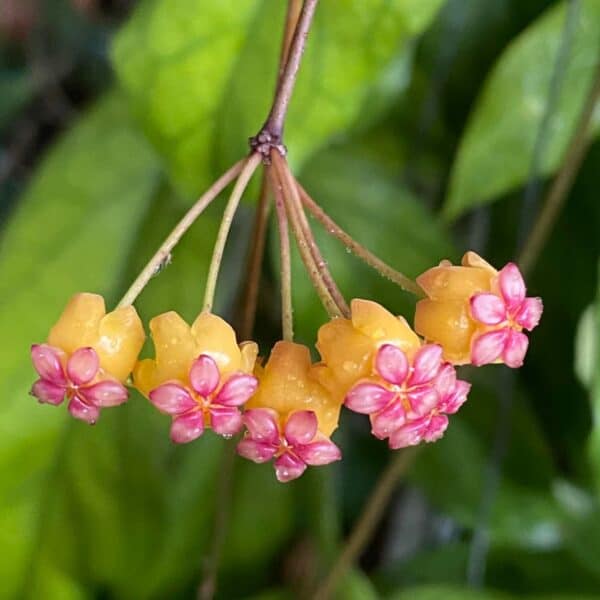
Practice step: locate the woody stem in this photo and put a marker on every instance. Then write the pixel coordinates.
(276, 118)
(162, 254)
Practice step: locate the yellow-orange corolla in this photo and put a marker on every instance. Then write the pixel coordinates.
(177, 345)
(476, 313)
(289, 383)
(348, 346)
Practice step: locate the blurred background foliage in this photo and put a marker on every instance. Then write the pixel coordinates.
(426, 127)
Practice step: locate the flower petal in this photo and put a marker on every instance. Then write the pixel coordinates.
(436, 428)
(488, 309)
(515, 349)
(48, 392)
(46, 361)
(388, 420)
(409, 434)
(445, 381)
(105, 393)
(188, 427)
(83, 366)
(391, 364)
(258, 452)
(530, 313)
(452, 402)
(301, 427)
(367, 398)
(321, 452)
(262, 425)
(423, 400)
(512, 286)
(226, 420)
(237, 390)
(426, 364)
(288, 467)
(204, 375)
(83, 411)
(488, 347)
(172, 399)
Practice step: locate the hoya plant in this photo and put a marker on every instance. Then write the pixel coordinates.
(194, 366)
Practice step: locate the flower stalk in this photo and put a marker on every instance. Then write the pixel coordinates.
(287, 316)
(250, 165)
(162, 254)
(358, 249)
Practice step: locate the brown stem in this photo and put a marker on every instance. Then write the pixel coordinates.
(359, 250)
(248, 301)
(281, 187)
(276, 118)
(563, 181)
(367, 522)
(317, 256)
(163, 253)
(292, 16)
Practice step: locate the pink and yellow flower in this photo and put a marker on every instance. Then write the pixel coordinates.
(476, 313)
(291, 416)
(294, 442)
(88, 357)
(408, 400)
(200, 376)
(382, 369)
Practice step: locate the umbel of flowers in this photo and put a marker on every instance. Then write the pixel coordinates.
(372, 362)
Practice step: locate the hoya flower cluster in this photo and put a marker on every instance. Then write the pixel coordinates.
(371, 362)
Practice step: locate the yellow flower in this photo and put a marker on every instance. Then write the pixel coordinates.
(444, 316)
(348, 346)
(117, 337)
(476, 313)
(288, 383)
(177, 346)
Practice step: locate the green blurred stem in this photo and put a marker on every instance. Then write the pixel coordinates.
(163, 253)
(367, 522)
(283, 182)
(559, 190)
(287, 310)
(287, 81)
(359, 250)
(250, 165)
(224, 497)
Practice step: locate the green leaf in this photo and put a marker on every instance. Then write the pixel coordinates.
(72, 231)
(496, 150)
(203, 85)
(367, 199)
